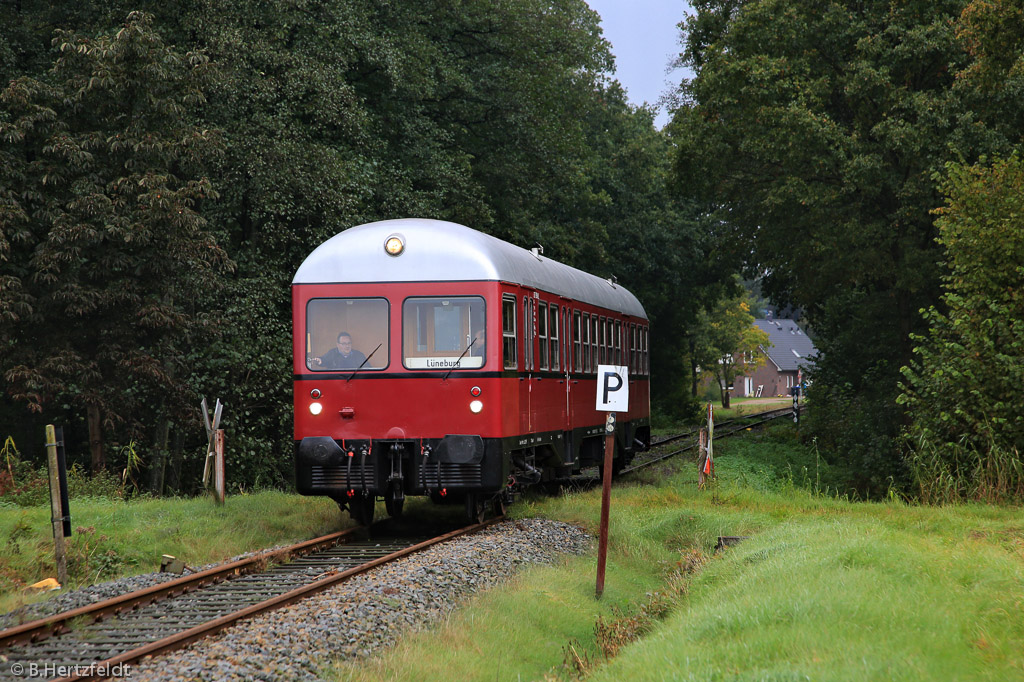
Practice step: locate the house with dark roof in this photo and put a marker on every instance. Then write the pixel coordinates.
(790, 351)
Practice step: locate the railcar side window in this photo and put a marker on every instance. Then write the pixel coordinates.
(632, 349)
(444, 333)
(508, 332)
(586, 342)
(342, 333)
(595, 339)
(527, 333)
(609, 345)
(542, 334)
(646, 355)
(566, 339)
(619, 343)
(577, 349)
(553, 337)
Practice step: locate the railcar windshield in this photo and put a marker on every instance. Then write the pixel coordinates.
(347, 334)
(443, 333)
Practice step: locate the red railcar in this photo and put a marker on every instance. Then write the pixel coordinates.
(433, 359)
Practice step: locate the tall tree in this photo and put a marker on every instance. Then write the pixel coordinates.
(632, 226)
(812, 132)
(102, 245)
(963, 388)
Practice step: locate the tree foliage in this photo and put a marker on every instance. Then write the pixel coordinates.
(728, 342)
(307, 117)
(962, 390)
(101, 237)
(812, 132)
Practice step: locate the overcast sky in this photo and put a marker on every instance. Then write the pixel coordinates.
(645, 40)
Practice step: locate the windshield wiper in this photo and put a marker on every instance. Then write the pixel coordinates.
(459, 360)
(363, 362)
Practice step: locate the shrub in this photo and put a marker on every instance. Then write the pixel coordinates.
(962, 390)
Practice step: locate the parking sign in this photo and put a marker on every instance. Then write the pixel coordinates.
(612, 388)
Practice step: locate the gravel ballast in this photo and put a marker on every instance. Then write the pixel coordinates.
(367, 612)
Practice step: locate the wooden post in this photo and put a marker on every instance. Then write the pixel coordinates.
(218, 467)
(56, 515)
(702, 457)
(707, 462)
(211, 430)
(606, 500)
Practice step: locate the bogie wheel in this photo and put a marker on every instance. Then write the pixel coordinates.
(476, 509)
(360, 508)
(498, 506)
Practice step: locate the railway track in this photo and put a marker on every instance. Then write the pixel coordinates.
(722, 430)
(92, 641)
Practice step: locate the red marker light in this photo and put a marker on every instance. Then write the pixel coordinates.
(475, 391)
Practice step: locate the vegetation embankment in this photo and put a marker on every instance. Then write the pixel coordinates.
(826, 588)
(114, 538)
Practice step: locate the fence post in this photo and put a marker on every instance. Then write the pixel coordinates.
(219, 491)
(211, 434)
(56, 514)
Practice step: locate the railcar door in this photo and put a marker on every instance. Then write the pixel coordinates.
(525, 376)
(568, 359)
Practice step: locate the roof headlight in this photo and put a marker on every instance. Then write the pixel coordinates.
(394, 245)
(476, 406)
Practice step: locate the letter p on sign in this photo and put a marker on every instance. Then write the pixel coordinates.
(612, 388)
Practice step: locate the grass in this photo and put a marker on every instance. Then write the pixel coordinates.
(739, 407)
(826, 588)
(113, 538)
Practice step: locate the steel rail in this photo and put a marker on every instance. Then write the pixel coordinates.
(732, 427)
(181, 639)
(37, 630)
(725, 424)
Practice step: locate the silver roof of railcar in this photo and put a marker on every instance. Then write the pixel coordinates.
(436, 250)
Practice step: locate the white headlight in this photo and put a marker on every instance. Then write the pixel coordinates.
(476, 406)
(394, 245)
(316, 408)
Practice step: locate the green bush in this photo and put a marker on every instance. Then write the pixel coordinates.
(962, 391)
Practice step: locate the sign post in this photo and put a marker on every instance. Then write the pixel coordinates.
(612, 395)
